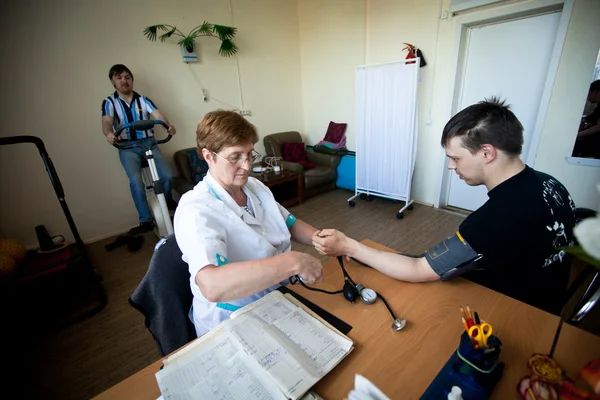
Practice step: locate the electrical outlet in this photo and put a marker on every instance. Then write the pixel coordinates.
(204, 95)
(244, 112)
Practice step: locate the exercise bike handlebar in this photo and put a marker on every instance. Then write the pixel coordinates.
(142, 125)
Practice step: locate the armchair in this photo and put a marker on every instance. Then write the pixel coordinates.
(191, 170)
(319, 179)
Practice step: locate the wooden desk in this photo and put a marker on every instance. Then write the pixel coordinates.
(402, 364)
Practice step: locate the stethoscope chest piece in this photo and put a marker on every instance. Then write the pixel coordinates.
(399, 324)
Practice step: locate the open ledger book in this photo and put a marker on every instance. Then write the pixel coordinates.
(274, 348)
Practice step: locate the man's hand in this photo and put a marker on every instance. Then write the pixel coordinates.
(111, 138)
(308, 268)
(331, 242)
(171, 130)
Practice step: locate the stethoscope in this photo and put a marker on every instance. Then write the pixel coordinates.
(351, 291)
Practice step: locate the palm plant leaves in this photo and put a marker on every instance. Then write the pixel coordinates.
(222, 32)
(167, 35)
(228, 48)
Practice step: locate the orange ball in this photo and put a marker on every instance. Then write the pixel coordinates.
(13, 248)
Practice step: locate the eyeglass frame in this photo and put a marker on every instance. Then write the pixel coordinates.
(241, 161)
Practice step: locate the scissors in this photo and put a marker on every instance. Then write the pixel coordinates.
(481, 333)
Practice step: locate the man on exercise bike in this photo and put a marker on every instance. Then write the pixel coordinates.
(124, 106)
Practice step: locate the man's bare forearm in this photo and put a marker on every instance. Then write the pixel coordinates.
(394, 265)
(107, 126)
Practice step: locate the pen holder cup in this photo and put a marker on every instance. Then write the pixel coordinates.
(474, 371)
(477, 370)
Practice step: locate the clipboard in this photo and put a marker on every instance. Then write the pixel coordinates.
(334, 321)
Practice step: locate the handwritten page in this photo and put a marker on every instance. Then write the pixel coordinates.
(219, 369)
(292, 346)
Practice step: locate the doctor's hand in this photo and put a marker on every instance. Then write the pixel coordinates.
(331, 242)
(307, 267)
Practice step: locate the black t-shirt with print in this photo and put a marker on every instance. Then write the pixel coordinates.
(517, 231)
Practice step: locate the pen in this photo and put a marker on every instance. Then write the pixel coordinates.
(477, 321)
(465, 324)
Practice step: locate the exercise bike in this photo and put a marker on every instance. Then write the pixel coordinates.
(155, 193)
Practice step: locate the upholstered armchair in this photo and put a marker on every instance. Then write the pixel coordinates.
(191, 169)
(320, 170)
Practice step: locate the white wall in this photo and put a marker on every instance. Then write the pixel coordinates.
(55, 60)
(332, 44)
(337, 36)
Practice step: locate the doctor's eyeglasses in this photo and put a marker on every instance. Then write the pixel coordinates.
(239, 161)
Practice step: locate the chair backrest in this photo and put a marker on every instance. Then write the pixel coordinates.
(164, 298)
(274, 142)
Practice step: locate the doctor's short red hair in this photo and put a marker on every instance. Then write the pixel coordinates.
(220, 129)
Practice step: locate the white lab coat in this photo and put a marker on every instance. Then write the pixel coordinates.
(211, 228)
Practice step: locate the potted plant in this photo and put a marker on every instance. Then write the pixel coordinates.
(223, 33)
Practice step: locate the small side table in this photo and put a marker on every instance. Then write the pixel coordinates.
(287, 186)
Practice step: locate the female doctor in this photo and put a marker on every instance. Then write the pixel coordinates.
(233, 234)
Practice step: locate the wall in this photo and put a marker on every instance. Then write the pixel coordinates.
(332, 44)
(56, 57)
(335, 39)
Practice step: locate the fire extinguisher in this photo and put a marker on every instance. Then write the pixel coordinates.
(414, 52)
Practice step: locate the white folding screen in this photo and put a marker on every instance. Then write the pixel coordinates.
(386, 129)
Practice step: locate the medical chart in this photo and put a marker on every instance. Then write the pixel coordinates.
(222, 370)
(270, 349)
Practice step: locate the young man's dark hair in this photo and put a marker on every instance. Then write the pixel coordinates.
(595, 86)
(118, 69)
(487, 122)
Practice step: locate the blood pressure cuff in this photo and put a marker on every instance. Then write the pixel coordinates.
(452, 257)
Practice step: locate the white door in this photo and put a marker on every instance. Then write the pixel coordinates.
(510, 60)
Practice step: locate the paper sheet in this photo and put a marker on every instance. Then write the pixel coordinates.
(271, 349)
(221, 371)
(291, 345)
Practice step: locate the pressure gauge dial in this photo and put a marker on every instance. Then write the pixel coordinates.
(367, 296)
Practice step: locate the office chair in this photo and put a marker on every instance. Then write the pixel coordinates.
(164, 298)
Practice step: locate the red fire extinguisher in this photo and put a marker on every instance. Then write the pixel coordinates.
(414, 52)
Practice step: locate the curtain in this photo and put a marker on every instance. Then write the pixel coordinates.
(386, 129)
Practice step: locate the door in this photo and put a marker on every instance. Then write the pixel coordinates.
(507, 59)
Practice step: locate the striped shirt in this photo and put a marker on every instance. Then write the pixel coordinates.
(140, 109)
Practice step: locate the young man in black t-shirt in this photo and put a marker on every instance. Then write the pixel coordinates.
(510, 243)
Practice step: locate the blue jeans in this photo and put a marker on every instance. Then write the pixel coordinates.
(131, 160)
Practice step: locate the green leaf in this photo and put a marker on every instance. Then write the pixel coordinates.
(167, 35)
(580, 253)
(228, 48)
(150, 32)
(224, 32)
